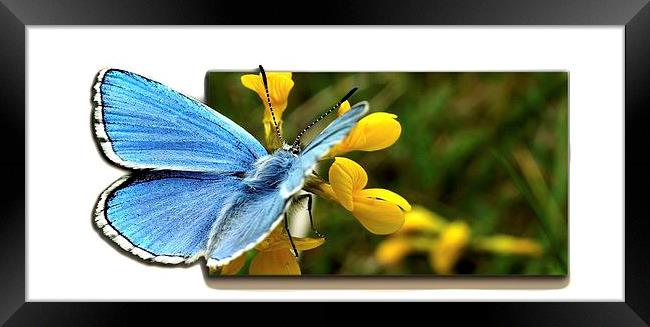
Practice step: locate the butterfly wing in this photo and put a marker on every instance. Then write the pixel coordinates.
(164, 216)
(141, 124)
(249, 220)
(333, 134)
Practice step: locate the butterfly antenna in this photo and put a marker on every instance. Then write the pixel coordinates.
(338, 104)
(268, 99)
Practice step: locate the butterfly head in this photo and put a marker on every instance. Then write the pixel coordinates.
(293, 148)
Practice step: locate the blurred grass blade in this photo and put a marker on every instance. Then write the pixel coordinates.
(544, 198)
(538, 209)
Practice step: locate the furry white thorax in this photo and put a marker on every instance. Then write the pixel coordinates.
(271, 170)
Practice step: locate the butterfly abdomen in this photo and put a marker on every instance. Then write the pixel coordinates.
(269, 171)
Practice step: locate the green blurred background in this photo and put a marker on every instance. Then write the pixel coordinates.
(490, 149)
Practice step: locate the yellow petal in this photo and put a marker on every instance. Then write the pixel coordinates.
(376, 131)
(386, 195)
(280, 85)
(301, 243)
(346, 177)
(251, 81)
(278, 240)
(392, 250)
(276, 236)
(450, 247)
(307, 243)
(234, 266)
(378, 216)
(422, 219)
(345, 106)
(354, 140)
(277, 262)
(506, 244)
(381, 130)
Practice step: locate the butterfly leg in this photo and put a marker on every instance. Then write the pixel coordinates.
(309, 198)
(286, 227)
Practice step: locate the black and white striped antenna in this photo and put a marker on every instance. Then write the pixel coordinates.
(268, 99)
(338, 104)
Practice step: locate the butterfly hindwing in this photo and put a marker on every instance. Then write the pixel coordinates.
(248, 222)
(143, 124)
(164, 216)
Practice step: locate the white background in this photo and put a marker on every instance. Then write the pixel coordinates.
(68, 260)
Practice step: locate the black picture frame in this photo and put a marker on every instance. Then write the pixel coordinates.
(634, 15)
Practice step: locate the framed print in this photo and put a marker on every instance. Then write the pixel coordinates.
(484, 163)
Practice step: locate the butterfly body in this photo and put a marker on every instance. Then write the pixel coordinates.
(269, 171)
(201, 186)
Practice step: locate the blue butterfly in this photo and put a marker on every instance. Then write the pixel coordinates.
(201, 186)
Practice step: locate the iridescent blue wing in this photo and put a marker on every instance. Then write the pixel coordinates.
(250, 219)
(143, 124)
(334, 133)
(164, 216)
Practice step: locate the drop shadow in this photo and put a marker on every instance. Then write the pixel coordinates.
(403, 282)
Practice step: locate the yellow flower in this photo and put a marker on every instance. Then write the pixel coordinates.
(280, 84)
(392, 250)
(505, 244)
(274, 255)
(450, 247)
(378, 210)
(445, 242)
(373, 132)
